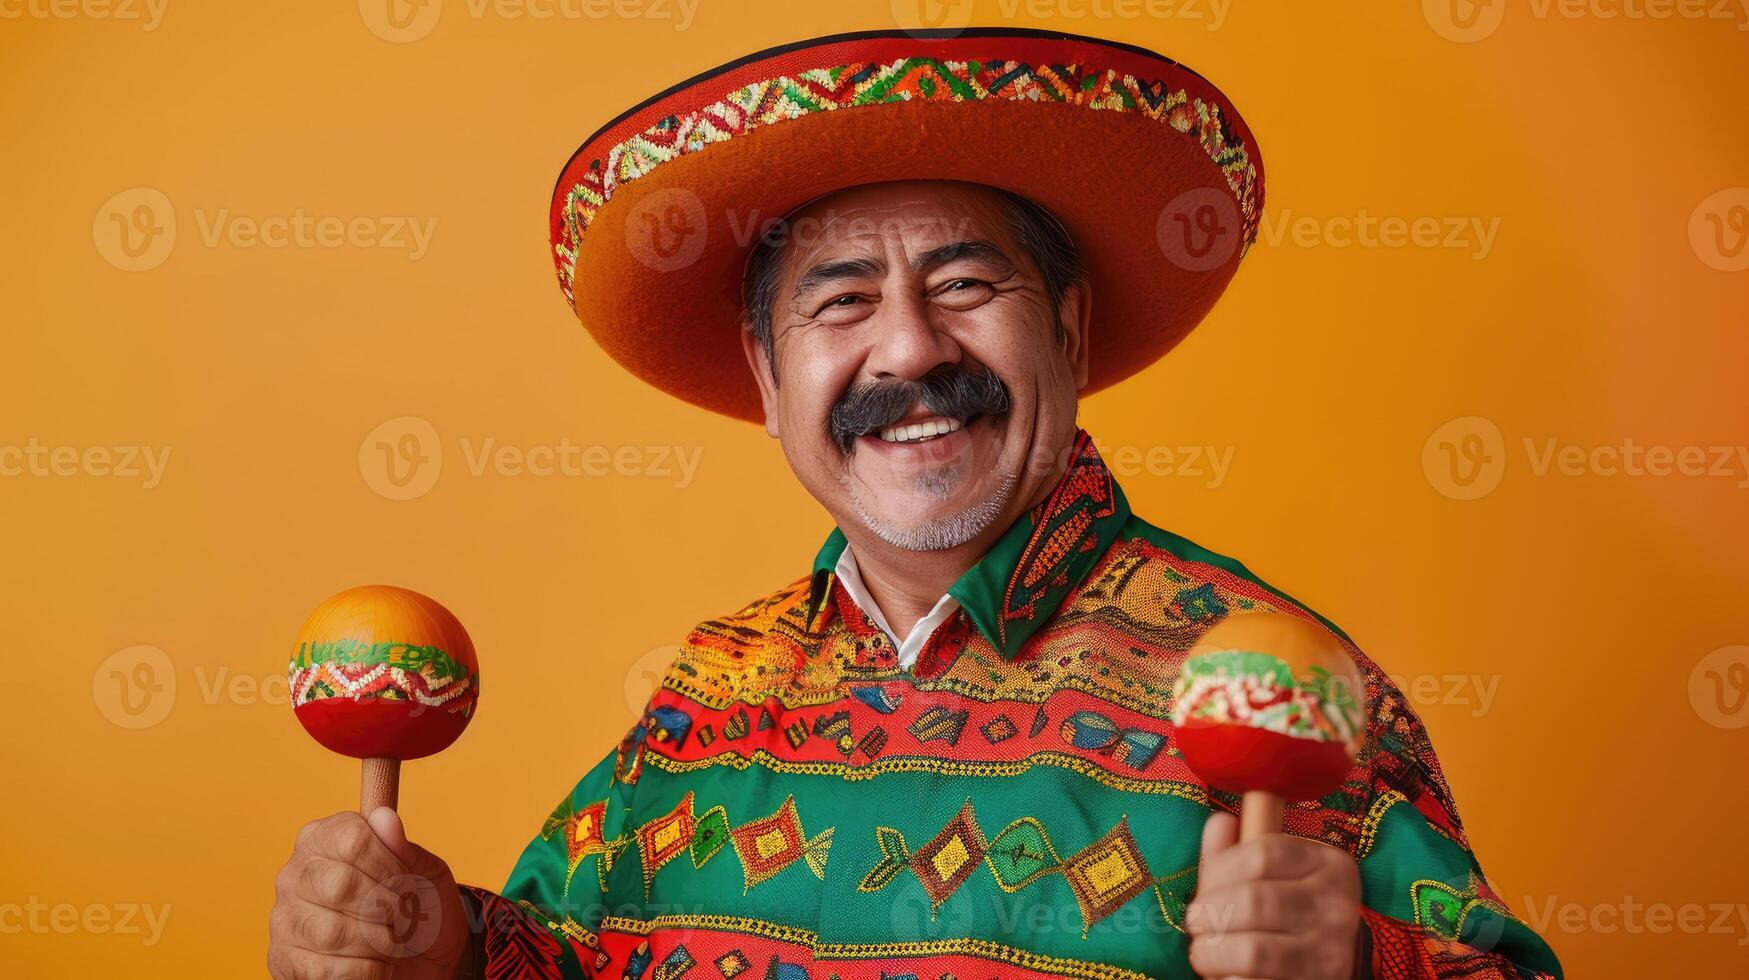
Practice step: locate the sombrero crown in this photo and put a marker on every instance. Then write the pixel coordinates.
(1147, 164)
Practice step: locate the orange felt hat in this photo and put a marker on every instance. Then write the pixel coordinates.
(1147, 165)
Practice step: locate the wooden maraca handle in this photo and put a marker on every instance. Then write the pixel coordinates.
(380, 785)
(1259, 814)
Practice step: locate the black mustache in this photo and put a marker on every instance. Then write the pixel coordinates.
(869, 406)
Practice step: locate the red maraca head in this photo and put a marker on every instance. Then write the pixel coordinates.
(1267, 701)
(384, 673)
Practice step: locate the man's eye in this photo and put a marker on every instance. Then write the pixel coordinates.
(964, 285)
(840, 307)
(962, 294)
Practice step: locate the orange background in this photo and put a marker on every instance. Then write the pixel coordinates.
(1602, 773)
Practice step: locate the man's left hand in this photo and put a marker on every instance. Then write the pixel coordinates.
(1275, 906)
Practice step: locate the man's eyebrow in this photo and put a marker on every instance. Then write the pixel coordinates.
(830, 272)
(976, 248)
(827, 273)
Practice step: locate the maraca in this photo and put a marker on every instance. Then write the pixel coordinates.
(1269, 706)
(383, 674)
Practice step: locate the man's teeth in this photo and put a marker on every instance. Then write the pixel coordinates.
(926, 429)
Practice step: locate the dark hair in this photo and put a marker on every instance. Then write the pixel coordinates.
(1040, 234)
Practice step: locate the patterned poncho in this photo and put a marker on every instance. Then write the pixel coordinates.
(793, 804)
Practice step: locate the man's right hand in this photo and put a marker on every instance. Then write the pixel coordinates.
(358, 901)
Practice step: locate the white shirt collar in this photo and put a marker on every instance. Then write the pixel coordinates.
(910, 645)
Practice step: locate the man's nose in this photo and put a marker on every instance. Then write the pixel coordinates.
(906, 344)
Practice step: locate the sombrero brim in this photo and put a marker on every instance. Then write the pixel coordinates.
(1147, 164)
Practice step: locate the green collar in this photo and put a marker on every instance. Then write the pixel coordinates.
(1021, 582)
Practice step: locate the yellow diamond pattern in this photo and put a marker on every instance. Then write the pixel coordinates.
(951, 858)
(1111, 872)
(769, 843)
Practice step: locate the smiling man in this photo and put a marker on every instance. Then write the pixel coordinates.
(947, 749)
(919, 358)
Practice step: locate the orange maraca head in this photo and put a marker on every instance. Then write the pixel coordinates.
(381, 672)
(1270, 702)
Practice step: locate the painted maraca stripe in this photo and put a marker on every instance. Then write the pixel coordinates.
(422, 658)
(1258, 690)
(389, 670)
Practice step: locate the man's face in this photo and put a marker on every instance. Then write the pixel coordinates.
(919, 363)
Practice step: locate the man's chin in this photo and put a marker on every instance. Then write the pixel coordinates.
(920, 522)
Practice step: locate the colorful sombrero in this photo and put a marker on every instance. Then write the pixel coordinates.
(1146, 163)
